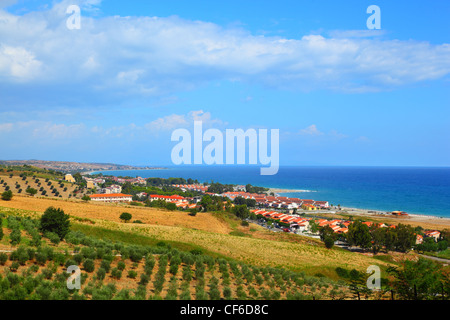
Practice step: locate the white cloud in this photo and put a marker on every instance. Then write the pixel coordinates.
(18, 64)
(176, 121)
(150, 56)
(311, 131)
(167, 123)
(6, 127)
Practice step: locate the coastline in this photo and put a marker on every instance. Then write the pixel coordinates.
(279, 190)
(363, 212)
(432, 221)
(140, 169)
(417, 219)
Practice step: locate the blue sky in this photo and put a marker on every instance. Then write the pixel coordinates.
(114, 90)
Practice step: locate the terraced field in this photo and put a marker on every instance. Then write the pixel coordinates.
(206, 231)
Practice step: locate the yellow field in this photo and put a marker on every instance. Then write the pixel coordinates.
(260, 247)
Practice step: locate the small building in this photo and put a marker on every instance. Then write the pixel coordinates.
(69, 178)
(91, 185)
(115, 197)
(174, 197)
(432, 234)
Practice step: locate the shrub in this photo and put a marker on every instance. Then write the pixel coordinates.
(341, 272)
(132, 274)
(89, 265)
(105, 265)
(7, 195)
(227, 293)
(15, 236)
(329, 242)
(53, 237)
(116, 273)
(3, 258)
(121, 265)
(14, 266)
(145, 279)
(55, 220)
(125, 217)
(101, 273)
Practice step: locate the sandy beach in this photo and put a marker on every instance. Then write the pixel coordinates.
(425, 221)
(278, 191)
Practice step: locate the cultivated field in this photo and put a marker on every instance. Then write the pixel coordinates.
(251, 245)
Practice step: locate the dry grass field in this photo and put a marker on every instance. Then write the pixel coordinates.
(37, 183)
(252, 245)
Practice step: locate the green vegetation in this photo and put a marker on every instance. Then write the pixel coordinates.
(38, 272)
(56, 221)
(125, 217)
(7, 195)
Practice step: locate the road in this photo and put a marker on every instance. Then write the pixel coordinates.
(435, 258)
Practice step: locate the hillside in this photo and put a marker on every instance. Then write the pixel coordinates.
(66, 166)
(47, 184)
(206, 231)
(117, 270)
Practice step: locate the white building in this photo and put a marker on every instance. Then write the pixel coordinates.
(116, 197)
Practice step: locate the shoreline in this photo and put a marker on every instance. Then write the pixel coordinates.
(377, 213)
(418, 219)
(280, 190)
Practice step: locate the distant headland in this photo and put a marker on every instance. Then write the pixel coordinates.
(73, 167)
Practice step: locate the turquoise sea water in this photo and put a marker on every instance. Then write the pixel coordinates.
(411, 189)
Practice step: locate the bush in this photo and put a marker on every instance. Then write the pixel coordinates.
(53, 237)
(15, 236)
(145, 279)
(116, 273)
(7, 195)
(3, 258)
(125, 217)
(14, 266)
(121, 265)
(244, 223)
(329, 242)
(55, 220)
(343, 273)
(132, 274)
(101, 274)
(105, 265)
(89, 265)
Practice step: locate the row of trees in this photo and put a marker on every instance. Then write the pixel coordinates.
(375, 238)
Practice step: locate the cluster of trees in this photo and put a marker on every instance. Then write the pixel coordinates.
(429, 244)
(214, 203)
(158, 182)
(374, 238)
(420, 280)
(252, 189)
(219, 188)
(161, 204)
(251, 203)
(402, 238)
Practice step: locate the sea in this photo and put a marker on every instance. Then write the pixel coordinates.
(415, 190)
